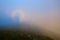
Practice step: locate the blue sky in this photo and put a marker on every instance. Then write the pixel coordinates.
(30, 6)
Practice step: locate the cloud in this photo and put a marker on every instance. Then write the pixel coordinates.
(18, 13)
(49, 23)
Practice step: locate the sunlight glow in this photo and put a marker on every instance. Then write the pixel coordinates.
(19, 13)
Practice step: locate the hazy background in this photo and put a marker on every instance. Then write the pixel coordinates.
(43, 13)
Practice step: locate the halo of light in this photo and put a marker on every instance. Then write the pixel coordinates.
(20, 14)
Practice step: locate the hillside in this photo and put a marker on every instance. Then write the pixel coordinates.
(17, 33)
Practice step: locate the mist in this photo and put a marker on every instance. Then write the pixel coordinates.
(44, 14)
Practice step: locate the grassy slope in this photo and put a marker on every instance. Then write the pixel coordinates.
(21, 35)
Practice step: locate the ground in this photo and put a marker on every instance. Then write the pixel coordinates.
(21, 35)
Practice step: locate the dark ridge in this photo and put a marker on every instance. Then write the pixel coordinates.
(16, 33)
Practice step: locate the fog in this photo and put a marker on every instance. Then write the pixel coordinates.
(44, 14)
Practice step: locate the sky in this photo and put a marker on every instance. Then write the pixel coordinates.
(43, 13)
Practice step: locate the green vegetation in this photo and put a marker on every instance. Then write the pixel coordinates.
(21, 35)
